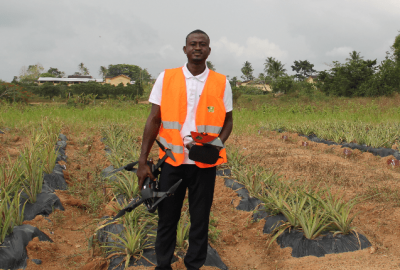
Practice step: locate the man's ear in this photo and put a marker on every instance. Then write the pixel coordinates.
(209, 52)
(184, 49)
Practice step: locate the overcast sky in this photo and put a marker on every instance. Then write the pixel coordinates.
(151, 33)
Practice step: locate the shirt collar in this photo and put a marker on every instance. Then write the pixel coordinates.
(201, 77)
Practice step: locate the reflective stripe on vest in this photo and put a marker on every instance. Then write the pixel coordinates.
(174, 148)
(209, 129)
(172, 125)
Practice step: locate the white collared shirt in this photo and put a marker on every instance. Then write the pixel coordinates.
(194, 88)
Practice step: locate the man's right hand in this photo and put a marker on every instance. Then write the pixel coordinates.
(142, 173)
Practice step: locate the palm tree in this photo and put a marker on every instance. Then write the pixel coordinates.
(103, 71)
(354, 56)
(274, 68)
(247, 71)
(84, 70)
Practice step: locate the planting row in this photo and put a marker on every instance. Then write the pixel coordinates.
(27, 187)
(312, 222)
(368, 134)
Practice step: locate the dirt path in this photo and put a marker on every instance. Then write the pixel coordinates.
(240, 243)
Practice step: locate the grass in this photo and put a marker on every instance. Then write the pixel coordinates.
(213, 232)
(366, 121)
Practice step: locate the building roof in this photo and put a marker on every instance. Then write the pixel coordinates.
(80, 76)
(51, 79)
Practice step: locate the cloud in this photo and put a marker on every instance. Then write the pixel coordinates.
(254, 48)
(228, 56)
(340, 51)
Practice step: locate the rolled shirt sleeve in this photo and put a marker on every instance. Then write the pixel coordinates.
(156, 92)
(228, 97)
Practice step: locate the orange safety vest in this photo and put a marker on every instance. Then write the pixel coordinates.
(210, 113)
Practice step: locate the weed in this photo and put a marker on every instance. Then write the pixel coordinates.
(213, 232)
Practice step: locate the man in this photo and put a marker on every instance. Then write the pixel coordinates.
(190, 98)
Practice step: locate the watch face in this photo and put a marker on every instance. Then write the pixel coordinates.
(202, 137)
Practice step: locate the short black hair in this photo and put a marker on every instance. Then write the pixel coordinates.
(198, 31)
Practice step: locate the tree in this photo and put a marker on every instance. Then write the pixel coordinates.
(132, 71)
(49, 90)
(233, 81)
(145, 75)
(56, 73)
(46, 74)
(274, 68)
(103, 71)
(303, 69)
(210, 65)
(354, 56)
(31, 73)
(284, 84)
(346, 79)
(396, 50)
(384, 82)
(83, 70)
(247, 71)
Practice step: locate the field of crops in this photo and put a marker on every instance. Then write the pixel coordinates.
(318, 189)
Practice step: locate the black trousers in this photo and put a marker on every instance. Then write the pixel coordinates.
(200, 183)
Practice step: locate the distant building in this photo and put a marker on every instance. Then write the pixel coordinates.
(73, 79)
(263, 87)
(77, 79)
(115, 80)
(80, 76)
(312, 79)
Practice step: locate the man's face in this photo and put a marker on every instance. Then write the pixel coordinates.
(197, 48)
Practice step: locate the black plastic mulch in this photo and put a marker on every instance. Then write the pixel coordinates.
(247, 203)
(13, 254)
(45, 204)
(224, 172)
(107, 172)
(301, 246)
(47, 201)
(213, 259)
(322, 245)
(381, 151)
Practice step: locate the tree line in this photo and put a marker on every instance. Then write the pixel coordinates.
(25, 85)
(32, 73)
(48, 90)
(355, 77)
